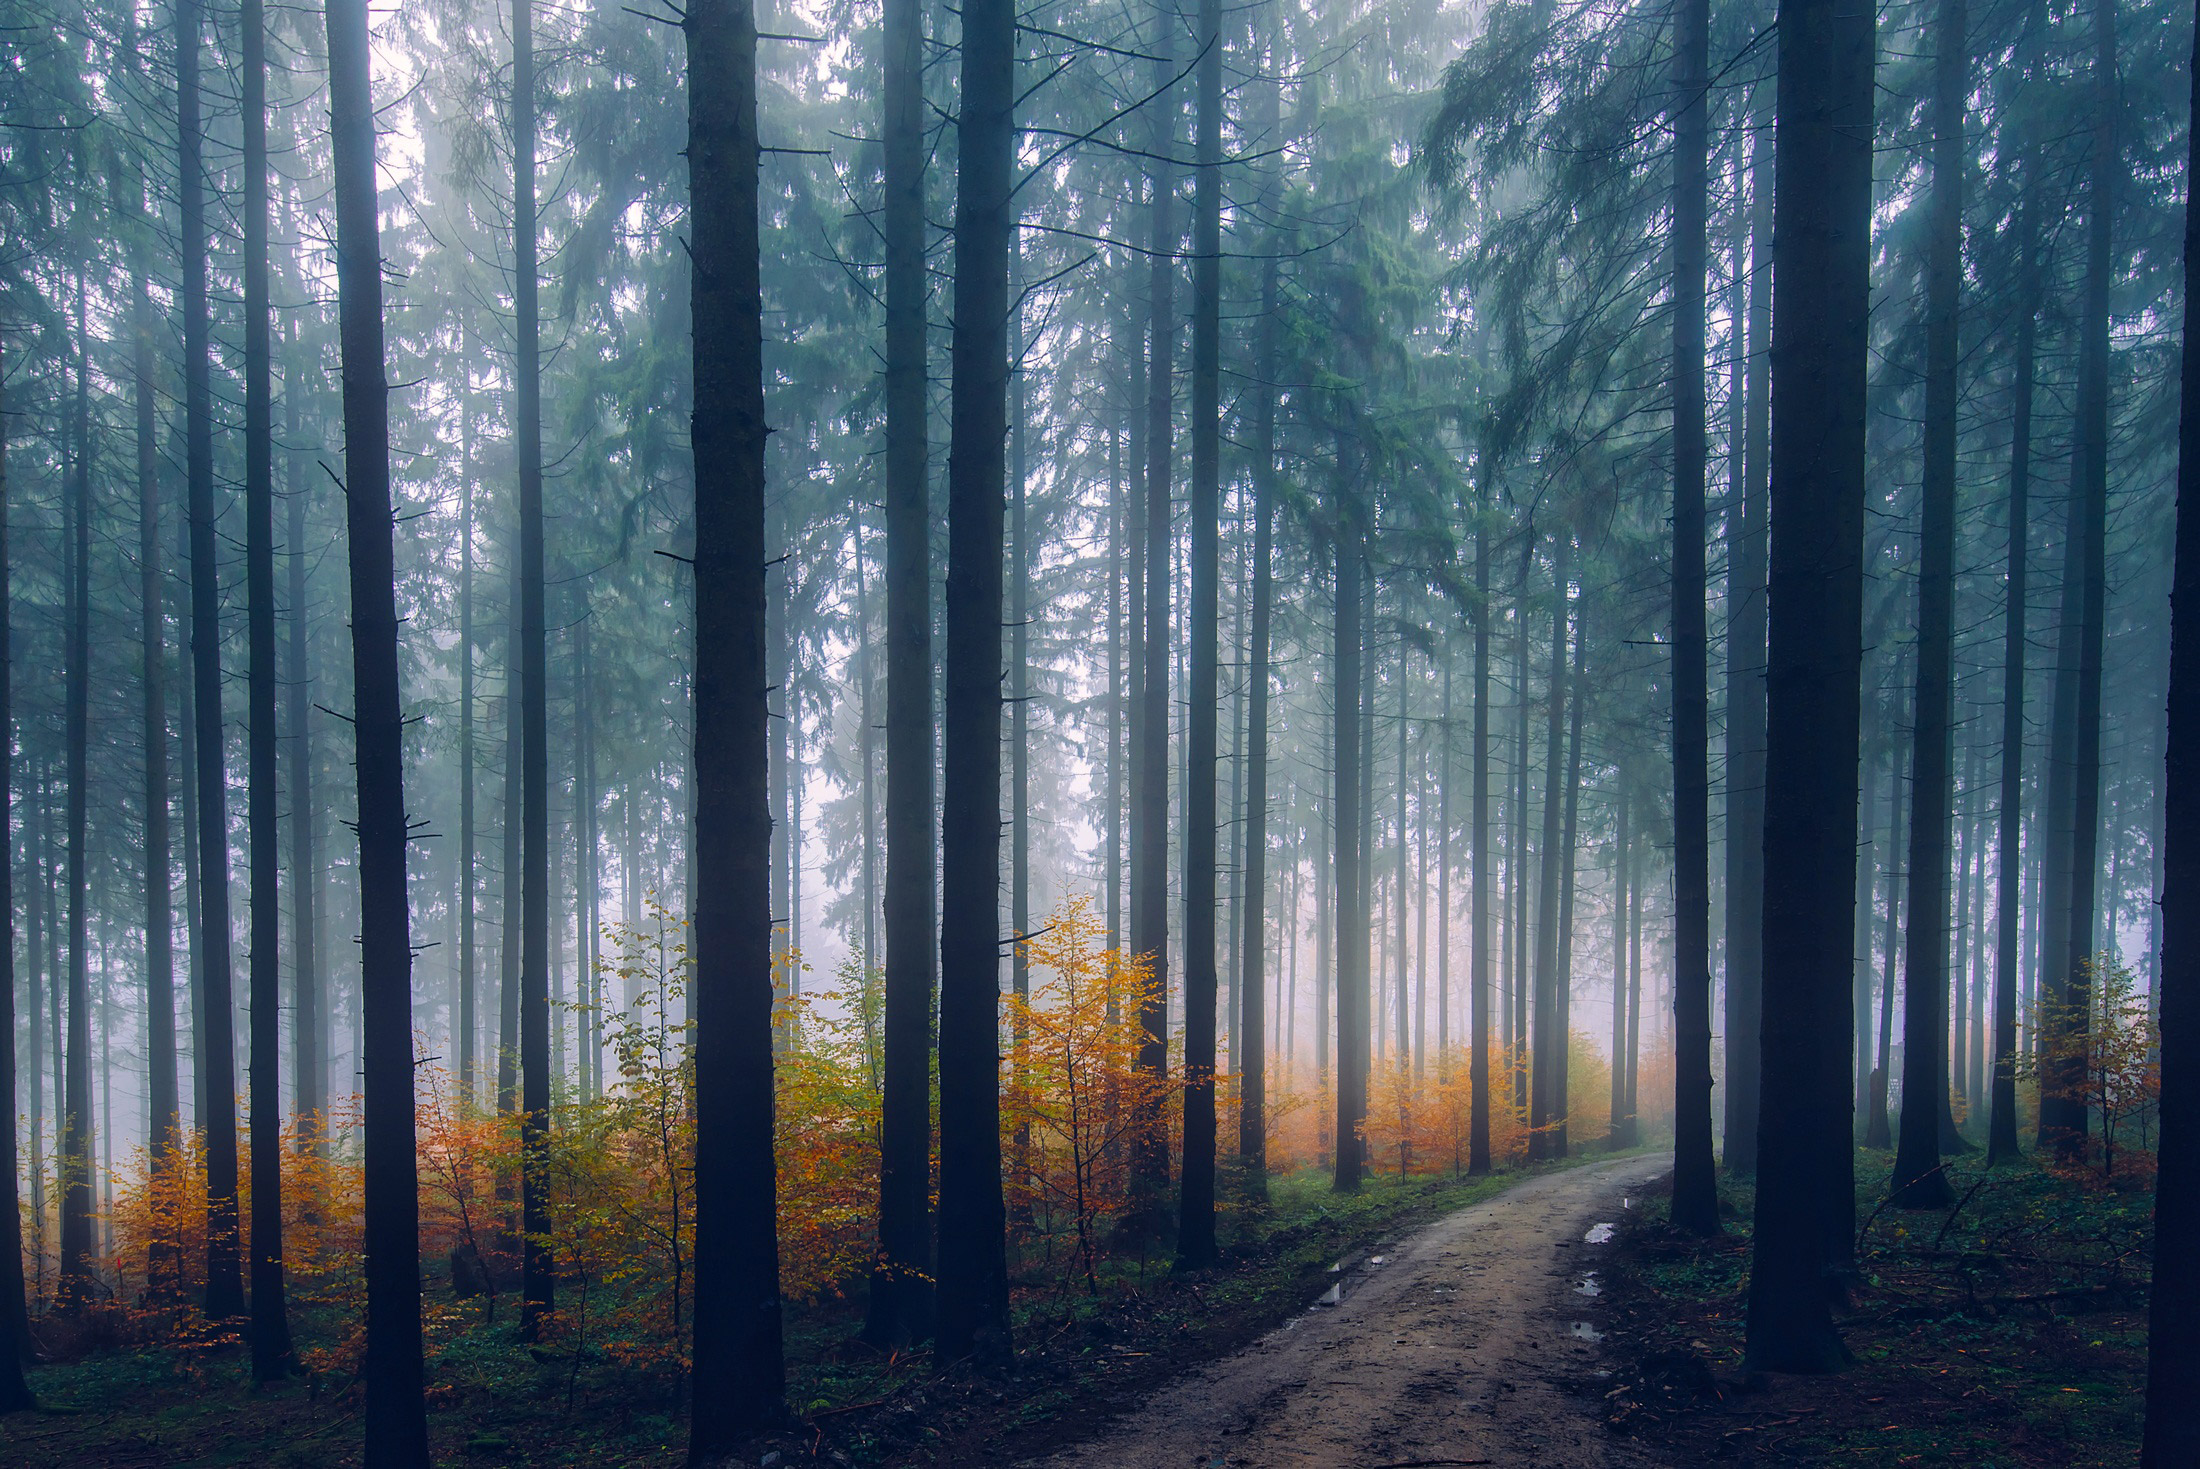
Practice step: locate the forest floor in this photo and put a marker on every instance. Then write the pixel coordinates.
(2010, 1331)
(1462, 1344)
(1084, 1359)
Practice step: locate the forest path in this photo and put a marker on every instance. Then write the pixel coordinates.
(1448, 1348)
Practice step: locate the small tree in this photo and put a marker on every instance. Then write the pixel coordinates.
(2100, 1054)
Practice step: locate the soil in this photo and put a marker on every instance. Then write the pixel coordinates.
(1471, 1341)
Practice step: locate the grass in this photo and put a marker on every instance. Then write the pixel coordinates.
(2009, 1331)
(492, 1400)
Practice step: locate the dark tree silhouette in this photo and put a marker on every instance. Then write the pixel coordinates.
(1820, 310)
(1195, 1246)
(901, 1290)
(2173, 1323)
(1352, 976)
(271, 1355)
(1695, 1183)
(396, 1413)
(1919, 1182)
(739, 1377)
(15, 1336)
(214, 1055)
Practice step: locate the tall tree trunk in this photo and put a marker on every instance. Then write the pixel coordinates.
(1443, 876)
(1563, 1033)
(1150, 775)
(1195, 1245)
(512, 896)
(2173, 1333)
(1745, 682)
(538, 1275)
(215, 1058)
(469, 1022)
(396, 1413)
(1695, 1185)
(271, 1356)
(15, 1337)
(739, 1366)
(1821, 297)
(1253, 1078)
(1352, 976)
(2062, 1116)
(901, 1276)
(309, 1025)
(1619, 1134)
(1544, 1106)
(973, 1267)
(164, 1265)
(1919, 1182)
(75, 1114)
(2001, 1136)
(1478, 962)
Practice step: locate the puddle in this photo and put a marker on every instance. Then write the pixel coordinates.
(1599, 1234)
(1626, 1203)
(1334, 1296)
(1589, 1285)
(1583, 1331)
(1376, 1259)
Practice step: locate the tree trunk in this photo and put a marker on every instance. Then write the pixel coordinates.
(1695, 1185)
(1253, 1079)
(15, 1337)
(973, 1265)
(1821, 296)
(1150, 775)
(2001, 1136)
(739, 1368)
(901, 1277)
(1918, 1181)
(271, 1355)
(469, 1023)
(164, 1265)
(1745, 687)
(215, 1060)
(509, 943)
(1619, 1135)
(1195, 1246)
(1564, 1030)
(396, 1413)
(75, 1115)
(1478, 961)
(538, 1276)
(2063, 1118)
(1352, 976)
(1543, 1104)
(2173, 1333)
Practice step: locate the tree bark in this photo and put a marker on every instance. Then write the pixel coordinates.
(1918, 1181)
(1745, 686)
(901, 1277)
(164, 1265)
(77, 1124)
(2173, 1333)
(1253, 1080)
(271, 1353)
(1352, 976)
(215, 1060)
(2063, 1118)
(1544, 1106)
(15, 1337)
(1478, 962)
(396, 1413)
(2001, 1136)
(1195, 1246)
(1821, 296)
(739, 1371)
(973, 1265)
(1150, 775)
(1695, 1186)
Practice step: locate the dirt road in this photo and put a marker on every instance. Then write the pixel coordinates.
(1445, 1349)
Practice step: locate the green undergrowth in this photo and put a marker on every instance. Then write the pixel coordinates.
(495, 1400)
(2008, 1330)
